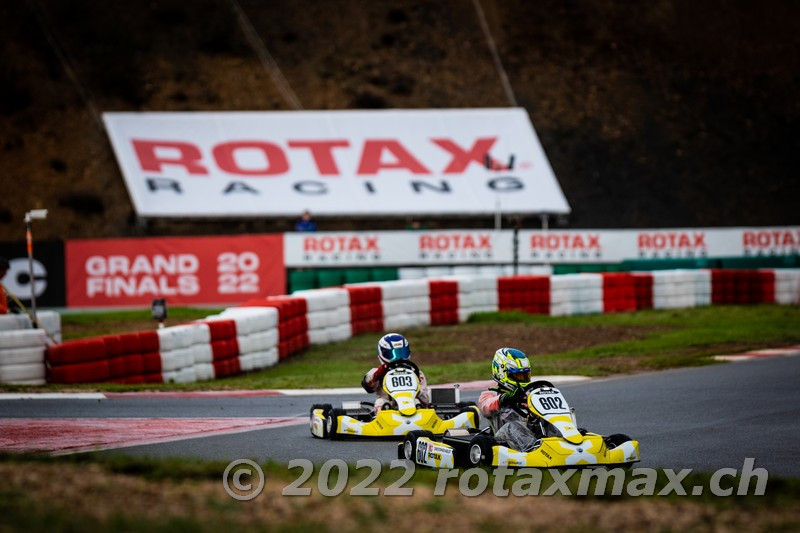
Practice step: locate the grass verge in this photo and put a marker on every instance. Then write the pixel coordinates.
(142, 494)
(653, 340)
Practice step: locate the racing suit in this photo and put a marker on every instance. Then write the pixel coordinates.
(373, 382)
(509, 426)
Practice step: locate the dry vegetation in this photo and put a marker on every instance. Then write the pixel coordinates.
(90, 496)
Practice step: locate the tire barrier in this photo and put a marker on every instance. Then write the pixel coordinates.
(22, 348)
(477, 294)
(531, 294)
(366, 311)
(444, 302)
(260, 333)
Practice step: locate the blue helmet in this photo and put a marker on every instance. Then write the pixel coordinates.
(393, 347)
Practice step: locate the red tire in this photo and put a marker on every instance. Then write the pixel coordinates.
(78, 351)
(93, 372)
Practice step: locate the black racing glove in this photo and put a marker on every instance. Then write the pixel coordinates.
(512, 398)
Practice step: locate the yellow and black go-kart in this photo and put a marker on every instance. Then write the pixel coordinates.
(401, 383)
(558, 440)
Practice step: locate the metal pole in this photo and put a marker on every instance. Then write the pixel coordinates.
(516, 248)
(29, 239)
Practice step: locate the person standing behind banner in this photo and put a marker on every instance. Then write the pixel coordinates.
(306, 223)
(3, 298)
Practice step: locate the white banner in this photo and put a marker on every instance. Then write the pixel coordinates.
(396, 248)
(534, 247)
(373, 163)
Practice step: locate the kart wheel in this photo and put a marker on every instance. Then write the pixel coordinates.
(479, 451)
(409, 449)
(325, 408)
(332, 423)
(612, 441)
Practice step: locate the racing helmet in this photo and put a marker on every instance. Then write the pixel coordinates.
(393, 347)
(510, 368)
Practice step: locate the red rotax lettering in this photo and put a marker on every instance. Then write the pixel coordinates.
(372, 244)
(771, 238)
(371, 158)
(341, 243)
(151, 156)
(454, 242)
(276, 162)
(462, 158)
(322, 153)
(699, 240)
(565, 241)
(671, 240)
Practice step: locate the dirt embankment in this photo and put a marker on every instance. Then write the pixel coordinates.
(656, 114)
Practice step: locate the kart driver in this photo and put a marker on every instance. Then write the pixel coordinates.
(392, 347)
(511, 369)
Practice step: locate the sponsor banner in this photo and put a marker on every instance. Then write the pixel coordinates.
(48, 272)
(397, 248)
(771, 241)
(187, 270)
(534, 247)
(379, 163)
(599, 246)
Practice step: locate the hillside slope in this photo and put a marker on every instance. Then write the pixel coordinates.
(653, 114)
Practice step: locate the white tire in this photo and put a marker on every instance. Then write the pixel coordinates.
(14, 322)
(22, 356)
(9, 373)
(22, 339)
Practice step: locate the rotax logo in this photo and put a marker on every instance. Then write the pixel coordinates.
(785, 241)
(671, 244)
(456, 246)
(337, 248)
(554, 245)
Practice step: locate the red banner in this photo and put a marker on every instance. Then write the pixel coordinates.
(184, 270)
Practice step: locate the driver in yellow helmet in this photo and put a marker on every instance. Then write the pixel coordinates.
(511, 369)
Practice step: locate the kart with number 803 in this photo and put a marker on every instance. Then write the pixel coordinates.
(405, 413)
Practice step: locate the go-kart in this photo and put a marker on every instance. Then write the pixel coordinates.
(558, 440)
(404, 413)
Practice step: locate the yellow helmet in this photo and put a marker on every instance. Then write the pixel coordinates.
(511, 368)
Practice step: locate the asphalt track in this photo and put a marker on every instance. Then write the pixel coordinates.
(701, 418)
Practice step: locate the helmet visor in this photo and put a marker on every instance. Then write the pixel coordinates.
(522, 375)
(397, 354)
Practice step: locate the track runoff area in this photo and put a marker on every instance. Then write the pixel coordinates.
(731, 419)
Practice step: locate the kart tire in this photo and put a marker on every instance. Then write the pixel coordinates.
(408, 450)
(325, 408)
(332, 423)
(612, 441)
(479, 451)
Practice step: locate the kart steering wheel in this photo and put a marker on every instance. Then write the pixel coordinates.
(404, 362)
(533, 385)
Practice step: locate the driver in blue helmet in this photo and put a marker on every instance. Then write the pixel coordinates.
(392, 347)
